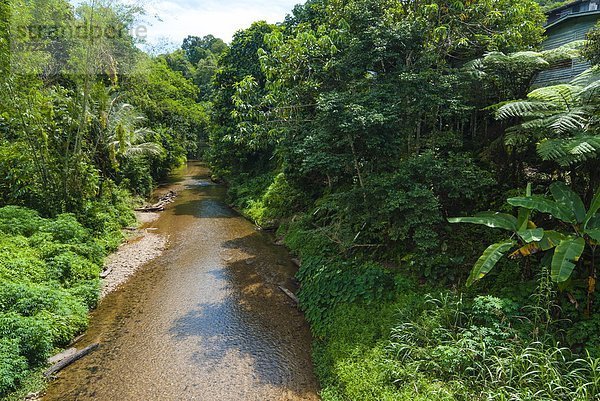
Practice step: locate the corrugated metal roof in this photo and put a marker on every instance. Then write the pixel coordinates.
(563, 7)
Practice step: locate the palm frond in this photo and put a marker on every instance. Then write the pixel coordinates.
(144, 149)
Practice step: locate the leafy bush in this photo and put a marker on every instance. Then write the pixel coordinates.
(107, 215)
(73, 268)
(18, 261)
(278, 201)
(327, 283)
(16, 220)
(31, 333)
(304, 241)
(66, 315)
(49, 278)
(12, 365)
(87, 291)
(66, 229)
(48, 249)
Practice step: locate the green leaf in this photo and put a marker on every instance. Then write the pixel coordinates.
(523, 218)
(524, 214)
(531, 235)
(594, 234)
(565, 196)
(551, 240)
(488, 260)
(567, 253)
(594, 207)
(544, 205)
(593, 223)
(490, 219)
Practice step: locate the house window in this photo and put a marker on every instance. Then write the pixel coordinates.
(594, 5)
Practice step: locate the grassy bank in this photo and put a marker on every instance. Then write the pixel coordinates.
(385, 329)
(382, 334)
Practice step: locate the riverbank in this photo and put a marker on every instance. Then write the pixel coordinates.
(63, 299)
(204, 320)
(141, 247)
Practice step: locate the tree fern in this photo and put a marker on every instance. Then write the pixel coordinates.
(562, 119)
(570, 151)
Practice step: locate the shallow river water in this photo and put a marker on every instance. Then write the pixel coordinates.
(205, 321)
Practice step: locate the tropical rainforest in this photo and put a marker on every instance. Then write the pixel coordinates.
(444, 207)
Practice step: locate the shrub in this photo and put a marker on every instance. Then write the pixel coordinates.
(64, 314)
(73, 268)
(16, 220)
(48, 249)
(327, 283)
(278, 201)
(18, 261)
(13, 366)
(66, 229)
(32, 334)
(482, 350)
(87, 291)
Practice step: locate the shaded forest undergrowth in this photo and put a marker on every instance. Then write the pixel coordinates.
(361, 131)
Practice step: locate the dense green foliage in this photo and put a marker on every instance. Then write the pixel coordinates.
(87, 123)
(358, 128)
(49, 278)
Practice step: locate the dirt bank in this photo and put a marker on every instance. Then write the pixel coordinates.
(142, 246)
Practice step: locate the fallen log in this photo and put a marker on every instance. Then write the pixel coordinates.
(159, 207)
(63, 355)
(76, 339)
(69, 360)
(290, 294)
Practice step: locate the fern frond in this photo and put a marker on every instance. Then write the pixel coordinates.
(587, 77)
(569, 151)
(522, 108)
(584, 145)
(568, 51)
(515, 138)
(553, 150)
(572, 121)
(591, 93)
(564, 94)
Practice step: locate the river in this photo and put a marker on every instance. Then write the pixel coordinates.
(204, 321)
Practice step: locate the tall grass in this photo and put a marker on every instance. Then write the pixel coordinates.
(484, 350)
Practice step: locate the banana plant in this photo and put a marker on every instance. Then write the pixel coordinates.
(566, 246)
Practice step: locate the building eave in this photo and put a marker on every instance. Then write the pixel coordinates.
(571, 16)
